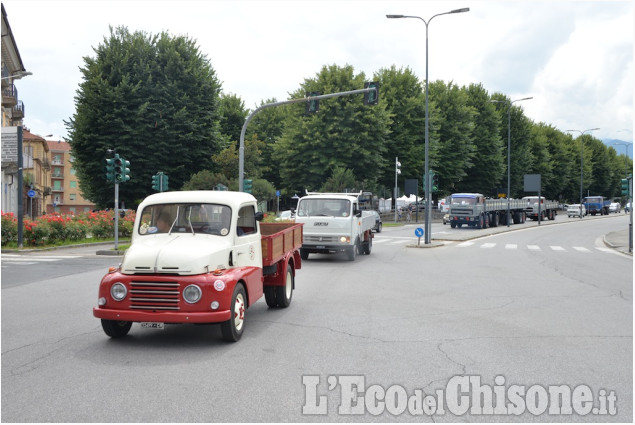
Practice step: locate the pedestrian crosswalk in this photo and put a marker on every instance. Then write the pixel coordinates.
(403, 241)
(536, 248)
(25, 260)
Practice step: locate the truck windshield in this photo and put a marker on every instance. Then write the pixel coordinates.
(211, 219)
(324, 207)
(463, 201)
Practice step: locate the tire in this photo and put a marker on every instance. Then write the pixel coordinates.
(494, 220)
(351, 253)
(368, 246)
(304, 254)
(115, 329)
(285, 293)
(270, 296)
(379, 228)
(452, 224)
(479, 224)
(233, 329)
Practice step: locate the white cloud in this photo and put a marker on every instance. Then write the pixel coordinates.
(574, 57)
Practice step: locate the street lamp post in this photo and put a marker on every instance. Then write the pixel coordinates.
(582, 164)
(509, 149)
(427, 189)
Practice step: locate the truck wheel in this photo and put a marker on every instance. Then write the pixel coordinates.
(452, 224)
(352, 252)
(115, 329)
(368, 246)
(304, 254)
(232, 329)
(270, 296)
(284, 293)
(479, 224)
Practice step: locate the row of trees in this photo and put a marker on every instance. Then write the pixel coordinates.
(157, 100)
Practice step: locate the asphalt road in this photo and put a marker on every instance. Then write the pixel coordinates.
(541, 306)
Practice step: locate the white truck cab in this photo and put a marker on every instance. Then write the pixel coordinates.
(333, 222)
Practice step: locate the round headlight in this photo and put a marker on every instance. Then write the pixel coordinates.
(118, 291)
(219, 285)
(192, 294)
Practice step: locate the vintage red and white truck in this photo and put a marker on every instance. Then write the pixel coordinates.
(199, 257)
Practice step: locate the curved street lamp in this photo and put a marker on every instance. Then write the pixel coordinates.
(509, 148)
(427, 189)
(582, 163)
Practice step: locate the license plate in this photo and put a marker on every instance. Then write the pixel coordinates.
(320, 246)
(153, 325)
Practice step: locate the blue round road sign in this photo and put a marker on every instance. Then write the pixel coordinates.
(31, 193)
(418, 232)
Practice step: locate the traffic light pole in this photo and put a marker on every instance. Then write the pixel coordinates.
(241, 149)
(116, 216)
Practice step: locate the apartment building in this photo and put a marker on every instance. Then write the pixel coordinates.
(66, 197)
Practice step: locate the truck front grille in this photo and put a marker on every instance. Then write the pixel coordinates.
(317, 239)
(154, 295)
(461, 211)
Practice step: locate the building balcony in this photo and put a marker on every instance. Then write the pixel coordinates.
(46, 164)
(57, 190)
(57, 176)
(9, 96)
(57, 162)
(18, 111)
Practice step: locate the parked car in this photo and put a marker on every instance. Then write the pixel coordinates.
(378, 223)
(615, 207)
(286, 216)
(573, 210)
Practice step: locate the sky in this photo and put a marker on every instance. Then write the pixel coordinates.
(575, 58)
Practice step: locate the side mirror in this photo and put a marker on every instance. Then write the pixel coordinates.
(259, 216)
(357, 213)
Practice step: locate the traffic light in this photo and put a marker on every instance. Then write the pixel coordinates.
(155, 182)
(625, 187)
(118, 168)
(397, 166)
(164, 186)
(247, 185)
(125, 176)
(110, 169)
(435, 181)
(312, 105)
(371, 97)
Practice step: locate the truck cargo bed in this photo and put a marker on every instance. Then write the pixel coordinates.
(278, 239)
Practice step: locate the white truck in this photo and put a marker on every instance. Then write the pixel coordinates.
(199, 257)
(334, 222)
(546, 209)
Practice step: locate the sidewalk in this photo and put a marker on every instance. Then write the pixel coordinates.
(618, 241)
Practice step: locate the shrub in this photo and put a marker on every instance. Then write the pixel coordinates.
(9, 228)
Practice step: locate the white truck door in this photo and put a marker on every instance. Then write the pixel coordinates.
(248, 250)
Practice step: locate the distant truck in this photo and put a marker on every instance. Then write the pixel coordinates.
(334, 222)
(199, 257)
(548, 209)
(597, 205)
(473, 209)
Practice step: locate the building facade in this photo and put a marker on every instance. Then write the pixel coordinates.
(12, 115)
(66, 197)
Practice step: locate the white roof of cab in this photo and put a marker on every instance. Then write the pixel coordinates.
(231, 199)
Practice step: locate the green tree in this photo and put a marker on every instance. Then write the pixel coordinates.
(345, 133)
(268, 125)
(452, 150)
(402, 93)
(340, 180)
(488, 164)
(232, 117)
(206, 180)
(520, 155)
(153, 98)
